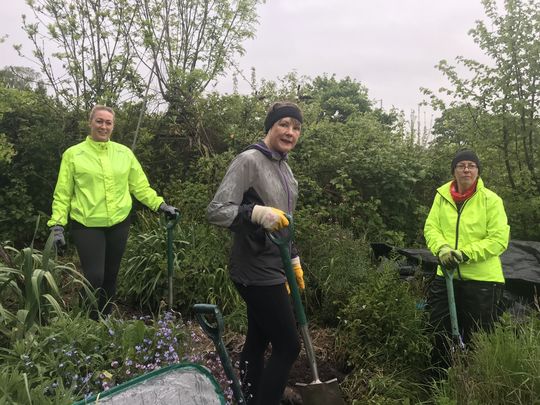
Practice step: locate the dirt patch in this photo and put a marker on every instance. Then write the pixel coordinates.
(323, 344)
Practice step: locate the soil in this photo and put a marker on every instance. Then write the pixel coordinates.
(328, 369)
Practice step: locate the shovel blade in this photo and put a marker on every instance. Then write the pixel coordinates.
(321, 393)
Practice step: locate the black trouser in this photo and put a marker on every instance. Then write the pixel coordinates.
(270, 320)
(476, 307)
(100, 251)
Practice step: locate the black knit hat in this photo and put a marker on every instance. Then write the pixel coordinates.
(279, 111)
(465, 154)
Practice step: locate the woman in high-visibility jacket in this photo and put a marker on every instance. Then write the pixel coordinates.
(468, 230)
(93, 192)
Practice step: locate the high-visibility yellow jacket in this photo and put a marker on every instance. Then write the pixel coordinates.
(95, 182)
(479, 229)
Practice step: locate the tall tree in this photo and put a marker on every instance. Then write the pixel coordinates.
(191, 42)
(186, 45)
(502, 96)
(84, 49)
(96, 50)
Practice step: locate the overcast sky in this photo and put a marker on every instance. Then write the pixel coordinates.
(390, 46)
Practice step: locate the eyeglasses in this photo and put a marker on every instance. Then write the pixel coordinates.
(471, 166)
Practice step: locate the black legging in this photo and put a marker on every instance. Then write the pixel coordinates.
(270, 320)
(100, 252)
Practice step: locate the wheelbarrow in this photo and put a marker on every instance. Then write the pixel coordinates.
(315, 392)
(177, 384)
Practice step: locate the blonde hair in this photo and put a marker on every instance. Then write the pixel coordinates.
(99, 107)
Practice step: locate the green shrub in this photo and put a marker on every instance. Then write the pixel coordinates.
(381, 328)
(333, 262)
(77, 357)
(31, 287)
(502, 367)
(17, 389)
(200, 272)
(384, 387)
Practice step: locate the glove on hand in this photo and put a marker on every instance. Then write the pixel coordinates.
(271, 219)
(449, 257)
(58, 236)
(169, 211)
(298, 274)
(458, 256)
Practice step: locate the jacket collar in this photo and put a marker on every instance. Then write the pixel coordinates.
(266, 151)
(444, 190)
(98, 146)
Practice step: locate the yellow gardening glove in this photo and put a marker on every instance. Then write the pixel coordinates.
(270, 218)
(298, 274)
(449, 257)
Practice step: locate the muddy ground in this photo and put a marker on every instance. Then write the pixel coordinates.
(327, 365)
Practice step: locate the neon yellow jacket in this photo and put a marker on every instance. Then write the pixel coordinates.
(480, 230)
(95, 182)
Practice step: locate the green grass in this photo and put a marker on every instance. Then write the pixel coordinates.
(503, 367)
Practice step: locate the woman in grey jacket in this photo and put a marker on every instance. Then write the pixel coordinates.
(256, 192)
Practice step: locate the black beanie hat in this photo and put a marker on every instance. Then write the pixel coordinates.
(465, 154)
(279, 111)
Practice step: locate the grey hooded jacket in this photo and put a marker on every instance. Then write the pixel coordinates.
(257, 176)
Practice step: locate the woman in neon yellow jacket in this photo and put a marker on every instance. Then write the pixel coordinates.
(468, 230)
(93, 192)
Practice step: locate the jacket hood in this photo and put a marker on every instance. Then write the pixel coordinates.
(266, 151)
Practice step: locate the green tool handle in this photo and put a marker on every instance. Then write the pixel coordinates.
(169, 225)
(214, 332)
(283, 244)
(449, 280)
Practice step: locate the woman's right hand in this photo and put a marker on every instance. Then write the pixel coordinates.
(58, 236)
(270, 218)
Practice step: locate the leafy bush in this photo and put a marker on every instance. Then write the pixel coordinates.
(381, 327)
(16, 388)
(39, 130)
(200, 251)
(383, 387)
(501, 368)
(30, 287)
(333, 262)
(78, 357)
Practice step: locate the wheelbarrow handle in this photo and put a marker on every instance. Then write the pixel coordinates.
(214, 332)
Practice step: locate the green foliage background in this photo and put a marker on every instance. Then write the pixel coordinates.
(365, 175)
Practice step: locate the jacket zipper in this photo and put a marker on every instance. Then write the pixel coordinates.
(286, 186)
(460, 210)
